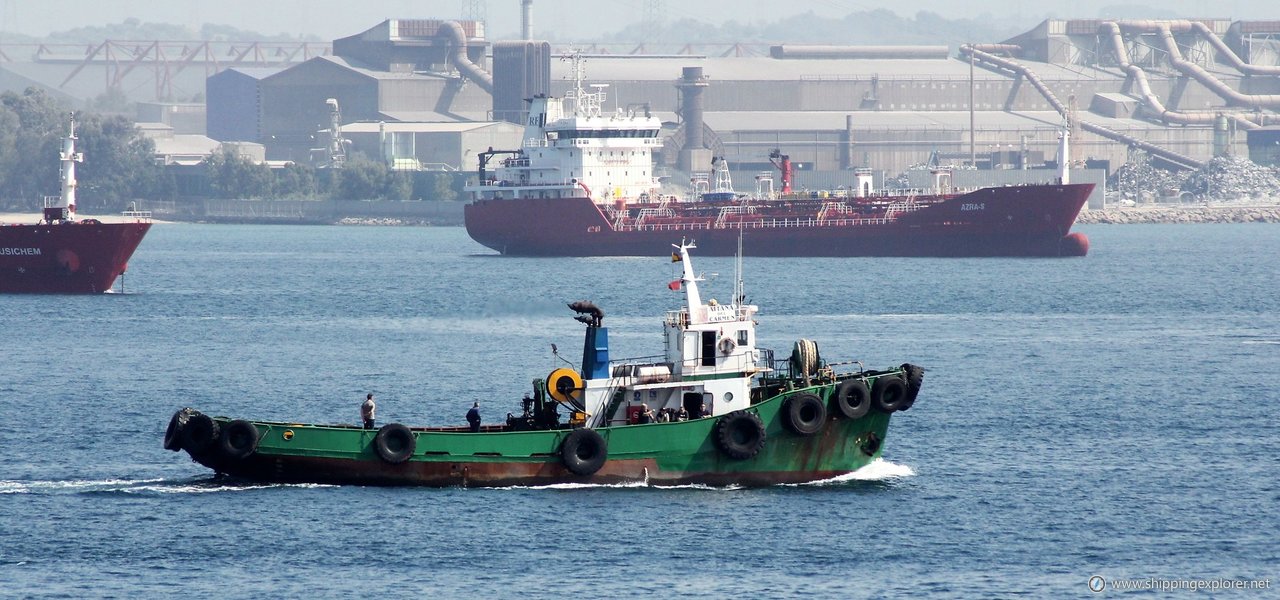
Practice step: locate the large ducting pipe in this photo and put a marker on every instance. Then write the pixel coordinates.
(1018, 69)
(1226, 52)
(526, 19)
(452, 30)
(692, 83)
(1010, 49)
(1165, 29)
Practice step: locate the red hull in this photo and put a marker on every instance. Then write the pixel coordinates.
(1033, 220)
(66, 258)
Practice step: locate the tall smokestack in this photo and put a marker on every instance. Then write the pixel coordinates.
(526, 19)
(691, 86)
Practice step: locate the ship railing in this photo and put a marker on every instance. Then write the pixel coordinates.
(650, 213)
(759, 224)
(737, 363)
(727, 211)
(138, 214)
(830, 208)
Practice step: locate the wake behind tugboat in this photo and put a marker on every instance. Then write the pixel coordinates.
(714, 409)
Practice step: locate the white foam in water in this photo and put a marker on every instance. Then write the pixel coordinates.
(27, 487)
(877, 470)
(132, 486)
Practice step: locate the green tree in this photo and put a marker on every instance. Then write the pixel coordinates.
(363, 179)
(442, 187)
(119, 163)
(396, 185)
(295, 181)
(234, 176)
(32, 125)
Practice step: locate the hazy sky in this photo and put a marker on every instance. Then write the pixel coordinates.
(567, 18)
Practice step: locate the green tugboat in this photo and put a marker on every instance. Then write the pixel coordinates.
(714, 409)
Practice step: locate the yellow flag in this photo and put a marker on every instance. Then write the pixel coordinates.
(675, 257)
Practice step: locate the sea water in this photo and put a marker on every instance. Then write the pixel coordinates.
(1112, 416)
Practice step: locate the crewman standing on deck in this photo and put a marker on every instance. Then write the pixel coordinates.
(473, 417)
(366, 411)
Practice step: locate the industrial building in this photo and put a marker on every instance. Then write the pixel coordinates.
(1183, 91)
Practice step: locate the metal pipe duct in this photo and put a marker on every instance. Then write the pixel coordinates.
(1010, 49)
(1026, 73)
(1165, 30)
(1105, 132)
(1231, 56)
(452, 30)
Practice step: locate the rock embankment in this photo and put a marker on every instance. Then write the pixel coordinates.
(1199, 214)
(381, 221)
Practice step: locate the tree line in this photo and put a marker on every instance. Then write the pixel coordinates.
(120, 166)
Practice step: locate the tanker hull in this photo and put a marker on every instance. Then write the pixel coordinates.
(1030, 220)
(66, 258)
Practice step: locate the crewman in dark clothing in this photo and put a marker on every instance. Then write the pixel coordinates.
(366, 411)
(473, 417)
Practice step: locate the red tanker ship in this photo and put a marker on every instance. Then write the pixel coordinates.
(60, 255)
(582, 184)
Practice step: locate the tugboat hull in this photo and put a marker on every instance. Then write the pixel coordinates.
(658, 454)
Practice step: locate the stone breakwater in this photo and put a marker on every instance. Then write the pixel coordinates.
(381, 221)
(1199, 214)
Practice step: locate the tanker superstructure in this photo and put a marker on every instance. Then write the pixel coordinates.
(63, 255)
(582, 184)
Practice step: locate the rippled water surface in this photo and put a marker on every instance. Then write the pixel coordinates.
(1114, 415)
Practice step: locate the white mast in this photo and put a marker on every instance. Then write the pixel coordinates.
(69, 158)
(690, 282)
(1064, 159)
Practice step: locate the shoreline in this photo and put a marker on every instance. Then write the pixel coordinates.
(1269, 213)
(14, 218)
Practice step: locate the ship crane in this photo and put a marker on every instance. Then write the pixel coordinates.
(783, 163)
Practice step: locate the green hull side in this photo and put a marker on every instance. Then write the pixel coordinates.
(658, 453)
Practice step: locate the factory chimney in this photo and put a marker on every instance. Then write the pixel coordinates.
(694, 156)
(526, 19)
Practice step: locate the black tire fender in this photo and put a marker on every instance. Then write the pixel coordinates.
(889, 393)
(739, 435)
(804, 414)
(199, 433)
(852, 399)
(238, 440)
(173, 434)
(394, 443)
(584, 451)
(915, 377)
